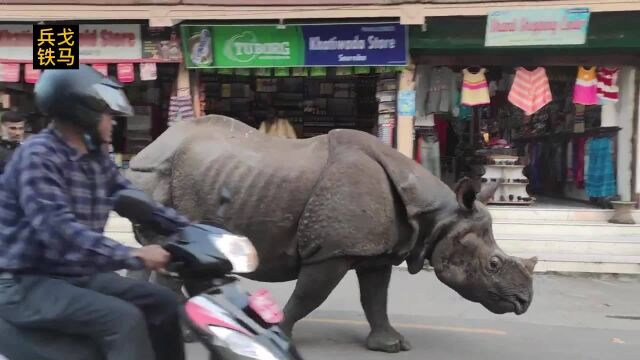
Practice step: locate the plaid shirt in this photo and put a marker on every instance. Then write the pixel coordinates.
(54, 204)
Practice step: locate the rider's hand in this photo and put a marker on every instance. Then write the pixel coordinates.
(153, 256)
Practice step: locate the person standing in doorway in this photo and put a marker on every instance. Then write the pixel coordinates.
(13, 134)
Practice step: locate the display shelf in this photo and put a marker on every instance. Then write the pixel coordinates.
(607, 130)
(506, 166)
(506, 189)
(513, 202)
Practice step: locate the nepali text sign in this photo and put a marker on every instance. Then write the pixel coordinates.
(537, 27)
(262, 46)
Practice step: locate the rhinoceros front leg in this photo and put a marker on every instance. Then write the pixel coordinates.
(315, 283)
(374, 287)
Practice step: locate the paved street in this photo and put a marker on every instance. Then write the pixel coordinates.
(570, 319)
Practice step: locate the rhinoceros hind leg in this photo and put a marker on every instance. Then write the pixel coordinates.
(315, 283)
(374, 286)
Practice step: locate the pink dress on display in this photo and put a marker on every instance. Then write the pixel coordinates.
(586, 90)
(530, 90)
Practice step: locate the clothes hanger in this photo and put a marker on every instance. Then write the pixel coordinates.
(474, 69)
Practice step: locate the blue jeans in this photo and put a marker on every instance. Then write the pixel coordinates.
(126, 319)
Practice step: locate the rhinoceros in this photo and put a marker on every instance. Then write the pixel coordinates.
(319, 207)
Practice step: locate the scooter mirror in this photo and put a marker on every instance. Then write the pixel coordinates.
(134, 205)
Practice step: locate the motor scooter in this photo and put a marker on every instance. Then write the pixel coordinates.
(231, 323)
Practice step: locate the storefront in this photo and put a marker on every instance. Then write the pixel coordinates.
(542, 102)
(146, 60)
(314, 77)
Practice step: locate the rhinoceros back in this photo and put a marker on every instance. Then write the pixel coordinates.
(270, 180)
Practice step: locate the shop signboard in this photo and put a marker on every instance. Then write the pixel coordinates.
(100, 43)
(16, 42)
(110, 42)
(530, 27)
(355, 44)
(161, 44)
(407, 103)
(242, 46)
(262, 46)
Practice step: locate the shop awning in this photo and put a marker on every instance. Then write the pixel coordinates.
(607, 31)
(171, 12)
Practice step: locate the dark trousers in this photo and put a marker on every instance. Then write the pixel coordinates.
(128, 319)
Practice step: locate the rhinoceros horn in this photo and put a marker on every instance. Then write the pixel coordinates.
(530, 264)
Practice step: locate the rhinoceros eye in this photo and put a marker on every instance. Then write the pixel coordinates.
(494, 264)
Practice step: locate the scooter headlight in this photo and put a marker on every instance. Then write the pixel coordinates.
(239, 251)
(240, 344)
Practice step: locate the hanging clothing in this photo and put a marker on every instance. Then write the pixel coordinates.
(569, 173)
(578, 120)
(601, 181)
(585, 91)
(533, 169)
(180, 108)
(422, 77)
(441, 129)
(440, 90)
(430, 154)
(578, 161)
(608, 91)
(608, 115)
(456, 94)
(530, 90)
(465, 113)
(386, 133)
(475, 90)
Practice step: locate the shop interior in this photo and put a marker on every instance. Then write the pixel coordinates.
(312, 101)
(546, 135)
(150, 100)
(18, 97)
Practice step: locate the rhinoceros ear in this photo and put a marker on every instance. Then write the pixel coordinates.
(487, 193)
(466, 193)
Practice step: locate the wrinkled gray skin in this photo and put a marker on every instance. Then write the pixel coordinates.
(320, 207)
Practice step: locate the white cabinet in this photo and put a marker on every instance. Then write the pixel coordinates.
(512, 184)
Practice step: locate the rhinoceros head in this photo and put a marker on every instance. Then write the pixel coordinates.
(467, 258)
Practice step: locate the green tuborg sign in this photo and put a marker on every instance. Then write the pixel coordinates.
(266, 46)
(242, 46)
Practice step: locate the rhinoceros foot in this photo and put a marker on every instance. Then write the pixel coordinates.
(387, 341)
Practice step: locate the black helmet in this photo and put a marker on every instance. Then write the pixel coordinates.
(80, 97)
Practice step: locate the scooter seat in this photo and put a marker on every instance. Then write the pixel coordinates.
(20, 344)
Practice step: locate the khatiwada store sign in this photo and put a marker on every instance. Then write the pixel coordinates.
(213, 46)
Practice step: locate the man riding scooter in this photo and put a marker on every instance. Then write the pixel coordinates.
(56, 267)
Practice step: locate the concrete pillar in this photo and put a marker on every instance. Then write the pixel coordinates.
(636, 145)
(625, 113)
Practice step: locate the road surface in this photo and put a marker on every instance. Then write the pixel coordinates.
(570, 319)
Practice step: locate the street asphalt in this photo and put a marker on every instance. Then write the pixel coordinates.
(571, 318)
